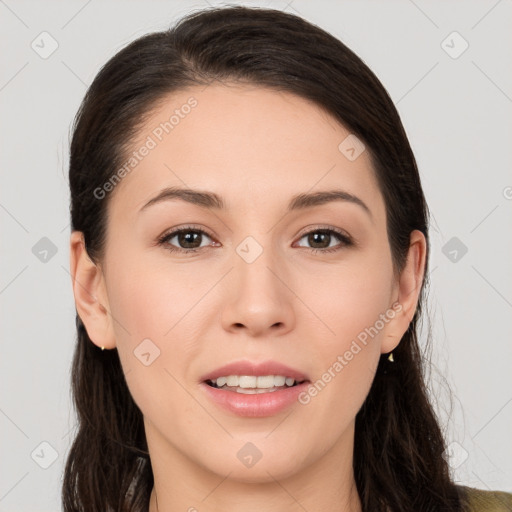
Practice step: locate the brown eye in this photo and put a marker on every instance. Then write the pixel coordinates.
(322, 240)
(184, 240)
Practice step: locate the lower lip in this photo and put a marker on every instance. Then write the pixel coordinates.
(257, 405)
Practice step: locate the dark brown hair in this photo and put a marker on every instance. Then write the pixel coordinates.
(398, 453)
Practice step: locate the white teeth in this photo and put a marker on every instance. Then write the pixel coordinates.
(247, 381)
(253, 382)
(254, 391)
(232, 380)
(279, 380)
(265, 382)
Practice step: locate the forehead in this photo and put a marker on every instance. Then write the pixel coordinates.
(245, 142)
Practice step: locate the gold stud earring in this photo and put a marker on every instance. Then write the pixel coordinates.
(390, 358)
(102, 348)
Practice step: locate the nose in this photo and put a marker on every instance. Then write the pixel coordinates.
(258, 297)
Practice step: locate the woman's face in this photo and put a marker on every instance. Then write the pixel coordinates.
(265, 283)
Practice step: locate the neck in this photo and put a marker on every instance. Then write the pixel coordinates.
(327, 484)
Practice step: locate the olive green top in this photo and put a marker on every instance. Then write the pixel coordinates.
(487, 501)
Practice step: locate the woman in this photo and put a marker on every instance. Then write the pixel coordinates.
(249, 253)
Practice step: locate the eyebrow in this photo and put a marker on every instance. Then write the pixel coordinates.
(210, 200)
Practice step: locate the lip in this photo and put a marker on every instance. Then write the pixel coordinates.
(255, 406)
(258, 369)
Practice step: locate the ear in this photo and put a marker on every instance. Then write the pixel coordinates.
(89, 289)
(408, 291)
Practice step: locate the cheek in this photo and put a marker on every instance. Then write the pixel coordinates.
(149, 298)
(157, 317)
(149, 306)
(350, 297)
(350, 301)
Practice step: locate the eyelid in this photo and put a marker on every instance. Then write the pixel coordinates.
(163, 239)
(186, 227)
(321, 227)
(345, 239)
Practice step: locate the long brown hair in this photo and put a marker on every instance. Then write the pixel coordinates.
(398, 452)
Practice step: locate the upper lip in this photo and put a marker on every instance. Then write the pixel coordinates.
(261, 368)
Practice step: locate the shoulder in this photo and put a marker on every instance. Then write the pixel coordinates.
(478, 500)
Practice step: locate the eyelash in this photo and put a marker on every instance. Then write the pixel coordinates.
(346, 241)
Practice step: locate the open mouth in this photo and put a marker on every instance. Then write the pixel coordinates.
(248, 386)
(252, 396)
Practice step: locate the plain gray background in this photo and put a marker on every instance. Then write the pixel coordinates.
(456, 105)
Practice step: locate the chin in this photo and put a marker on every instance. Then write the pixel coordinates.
(262, 469)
